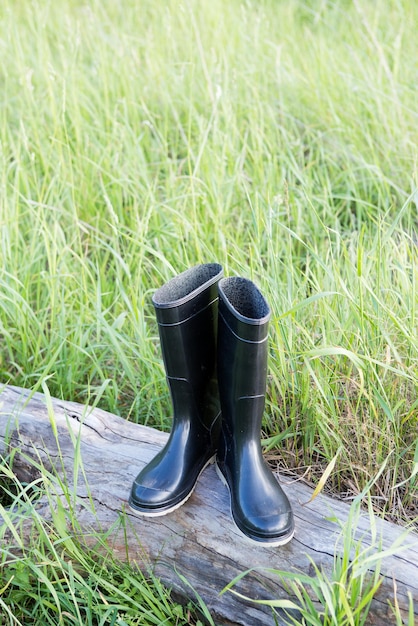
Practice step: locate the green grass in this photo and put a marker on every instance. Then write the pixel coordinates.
(343, 596)
(278, 138)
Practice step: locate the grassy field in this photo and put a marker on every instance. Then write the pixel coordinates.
(276, 137)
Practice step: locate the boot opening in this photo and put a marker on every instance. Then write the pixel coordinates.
(193, 280)
(245, 297)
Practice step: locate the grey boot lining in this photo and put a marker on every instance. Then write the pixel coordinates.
(245, 297)
(183, 285)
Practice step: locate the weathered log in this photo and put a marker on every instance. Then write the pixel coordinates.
(198, 540)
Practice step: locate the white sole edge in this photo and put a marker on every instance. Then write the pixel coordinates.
(158, 513)
(261, 543)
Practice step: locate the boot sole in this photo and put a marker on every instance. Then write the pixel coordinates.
(166, 511)
(267, 543)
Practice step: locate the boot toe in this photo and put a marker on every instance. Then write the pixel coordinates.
(264, 514)
(275, 529)
(145, 498)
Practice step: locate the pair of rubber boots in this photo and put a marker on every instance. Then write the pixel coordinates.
(213, 334)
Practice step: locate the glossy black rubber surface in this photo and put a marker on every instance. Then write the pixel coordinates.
(187, 314)
(259, 506)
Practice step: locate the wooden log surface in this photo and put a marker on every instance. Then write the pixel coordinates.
(199, 539)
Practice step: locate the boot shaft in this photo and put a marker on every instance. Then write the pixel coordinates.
(187, 314)
(242, 341)
(186, 308)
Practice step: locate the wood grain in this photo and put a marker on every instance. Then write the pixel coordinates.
(199, 540)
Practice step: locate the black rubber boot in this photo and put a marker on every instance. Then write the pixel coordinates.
(187, 315)
(259, 506)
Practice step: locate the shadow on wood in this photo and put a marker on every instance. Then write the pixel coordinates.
(198, 540)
